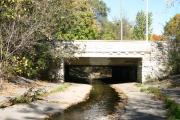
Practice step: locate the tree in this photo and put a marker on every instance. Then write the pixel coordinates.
(172, 32)
(30, 26)
(155, 37)
(111, 30)
(108, 31)
(100, 8)
(22, 23)
(172, 28)
(100, 11)
(127, 29)
(139, 32)
(77, 21)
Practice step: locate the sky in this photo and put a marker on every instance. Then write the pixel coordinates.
(162, 13)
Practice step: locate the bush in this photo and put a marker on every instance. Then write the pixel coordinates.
(33, 63)
(173, 109)
(30, 96)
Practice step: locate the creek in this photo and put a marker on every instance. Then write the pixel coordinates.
(102, 102)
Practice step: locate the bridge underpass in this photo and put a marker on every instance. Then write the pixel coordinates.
(109, 70)
(149, 58)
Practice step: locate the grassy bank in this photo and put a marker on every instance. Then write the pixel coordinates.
(173, 108)
(59, 88)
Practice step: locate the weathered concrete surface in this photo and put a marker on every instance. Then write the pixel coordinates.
(52, 104)
(153, 56)
(140, 106)
(75, 94)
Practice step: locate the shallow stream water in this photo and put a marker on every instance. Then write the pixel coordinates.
(102, 102)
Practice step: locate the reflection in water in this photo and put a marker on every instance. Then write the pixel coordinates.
(101, 102)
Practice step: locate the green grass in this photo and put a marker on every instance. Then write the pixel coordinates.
(172, 107)
(60, 88)
(139, 85)
(29, 96)
(22, 99)
(155, 91)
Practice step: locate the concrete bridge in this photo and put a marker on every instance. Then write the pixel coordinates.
(149, 58)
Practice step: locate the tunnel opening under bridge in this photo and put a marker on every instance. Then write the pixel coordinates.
(108, 70)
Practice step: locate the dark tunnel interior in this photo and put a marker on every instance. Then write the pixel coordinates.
(107, 74)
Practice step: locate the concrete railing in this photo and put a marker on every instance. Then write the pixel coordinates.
(100, 46)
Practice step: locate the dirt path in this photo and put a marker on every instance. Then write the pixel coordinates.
(52, 104)
(140, 106)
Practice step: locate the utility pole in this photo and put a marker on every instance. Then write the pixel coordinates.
(121, 18)
(147, 20)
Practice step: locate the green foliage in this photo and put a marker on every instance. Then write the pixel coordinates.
(100, 8)
(29, 96)
(111, 30)
(24, 19)
(139, 31)
(172, 31)
(60, 88)
(11, 9)
(28, 26)
(106, 27)
(152, 90)
(174, 61)
(127, 29)
(21, 66)
(33, 63)
(107, 32)
(172, 28)
(22, 23)
(78, 22)
(173, 109)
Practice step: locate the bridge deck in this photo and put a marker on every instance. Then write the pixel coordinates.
(98, 46)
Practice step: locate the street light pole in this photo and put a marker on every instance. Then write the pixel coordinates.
(147, 20)
(121, 17)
